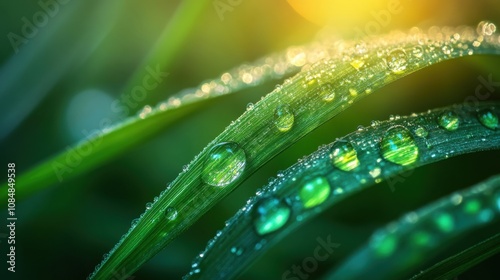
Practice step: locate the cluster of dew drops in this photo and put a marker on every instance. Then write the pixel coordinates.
(226, 161)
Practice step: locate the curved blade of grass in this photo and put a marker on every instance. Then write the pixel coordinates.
(219, 261)
(398, 248)
(313, 96)
(127, 134)
(19, 97)
(115, 140)
(461, 262)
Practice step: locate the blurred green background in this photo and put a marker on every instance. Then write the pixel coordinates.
(64, 79)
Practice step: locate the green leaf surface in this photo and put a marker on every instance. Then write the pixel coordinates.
(321, 180)
(317, 94)
(461, 262)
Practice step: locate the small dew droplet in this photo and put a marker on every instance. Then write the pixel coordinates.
(444, 222)
(398, 146)
(447, 49)
(344, 156)
(486, 28)
(170, 213)
(326, 92)
(489, 119)
(224, 164)
(449, 120)
(270, 214)
(134, 222)
(357, 63)
(236, 251)
(314, 192)
(420, 131)
(418, 52)
(397, 61)
(283, 118)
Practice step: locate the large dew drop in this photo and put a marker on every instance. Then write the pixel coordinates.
(314, 192)
(283, 118)
(344, 156)
(170, 213)
(489, 119)
(270, 214)
(224, 164)
(398, 146)
(449, 120)
(397, 61)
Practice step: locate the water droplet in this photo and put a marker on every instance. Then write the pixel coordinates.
(270, 214)
(237, 251)
(488, 118)
(375, 172)
(224, 164)
(420, 131)
(134, 222)
(398, 146)
(384, 244)
(149, 205)
(283, 118)
(447, 49)
(326, 92)
(472, 206)
(486, 28)
(344, 156)
(353, 92)
(444, 222)
(418, 52)
(357, 63)
(314, 192)
(309, 81)
(170, 213)
(397, 61)
(421, 238)
(145, 111)
(449, 120)
(360, 48)
(456, 199)
(250, 106)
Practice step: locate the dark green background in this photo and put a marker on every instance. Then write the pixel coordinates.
(63, 231)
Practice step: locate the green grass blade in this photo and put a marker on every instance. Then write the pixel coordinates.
(150, 121)
(417, 236)
(359, 169)
(281, 118)
(461, 262)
